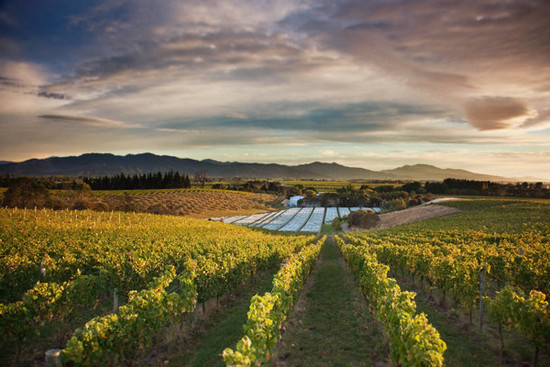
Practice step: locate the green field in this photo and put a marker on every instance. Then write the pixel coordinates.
(333, 185)
(319, 185)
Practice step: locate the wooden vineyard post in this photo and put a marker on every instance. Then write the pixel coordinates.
(115, 301)
(42, 268)
(482, 273)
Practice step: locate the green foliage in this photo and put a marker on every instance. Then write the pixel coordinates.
(268, 312)
(46, 302)
(130, 249)
(511, 309)
(396, 204)
(54, 263)
(506, 237)
(168, 180)
(337, 223)
(414, 186)
(413, 341)
(26, 192)
(124, 336)
(452, 186)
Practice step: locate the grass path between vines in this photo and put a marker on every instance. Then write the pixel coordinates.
(223, 328)
(466, 345)
(331, 324)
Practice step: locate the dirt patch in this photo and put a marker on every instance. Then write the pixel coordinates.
(414, 214)
(442, 200)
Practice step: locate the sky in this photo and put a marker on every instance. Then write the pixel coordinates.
(373, 84)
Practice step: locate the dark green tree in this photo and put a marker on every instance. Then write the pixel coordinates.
(26, 192)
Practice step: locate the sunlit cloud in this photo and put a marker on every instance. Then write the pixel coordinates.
(316, 76)
(90, 121)
(494, 113)
(328, 153)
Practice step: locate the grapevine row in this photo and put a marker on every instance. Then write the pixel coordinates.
(459, 274)
(48, 302)
(511, 309)
(413, 341)
(268, 312)
(456, 274)
(128, 249)
(507, 241)
(115, 338)
(510, 241)
(452, 262)
(91, 254)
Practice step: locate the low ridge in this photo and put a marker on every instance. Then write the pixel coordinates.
(102, 164)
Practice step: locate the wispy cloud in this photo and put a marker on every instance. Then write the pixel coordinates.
(89, 121)
(239, 73)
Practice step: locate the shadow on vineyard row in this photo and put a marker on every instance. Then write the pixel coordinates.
(460, 329)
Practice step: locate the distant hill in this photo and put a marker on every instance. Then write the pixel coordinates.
(4, 162)
(420, 172)
(102, 164)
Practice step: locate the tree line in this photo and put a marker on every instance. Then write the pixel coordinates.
(168, 180)
(452, 186)
(391, 197)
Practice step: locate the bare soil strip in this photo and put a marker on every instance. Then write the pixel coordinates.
(414, 214)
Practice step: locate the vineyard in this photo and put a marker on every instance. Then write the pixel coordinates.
(60, 269)
(196, 203)
(493, 261)
(109, 288)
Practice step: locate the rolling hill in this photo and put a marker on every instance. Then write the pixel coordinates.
(104, 164)
(420, 172)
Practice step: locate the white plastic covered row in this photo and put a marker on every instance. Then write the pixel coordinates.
(268, 218)
(331, 214)
(282, 219)
(315, 221)
(246, 221)
(343, 211)
(233, 219)
(298, 221)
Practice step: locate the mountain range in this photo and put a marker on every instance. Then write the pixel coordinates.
(105, 164)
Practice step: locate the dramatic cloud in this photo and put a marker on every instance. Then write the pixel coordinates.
(21, 90)
(494, 113)
(198, 76)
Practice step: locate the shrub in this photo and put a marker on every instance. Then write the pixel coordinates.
(26, 192)
(363, 219)
(428, 197)
(337, 224)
